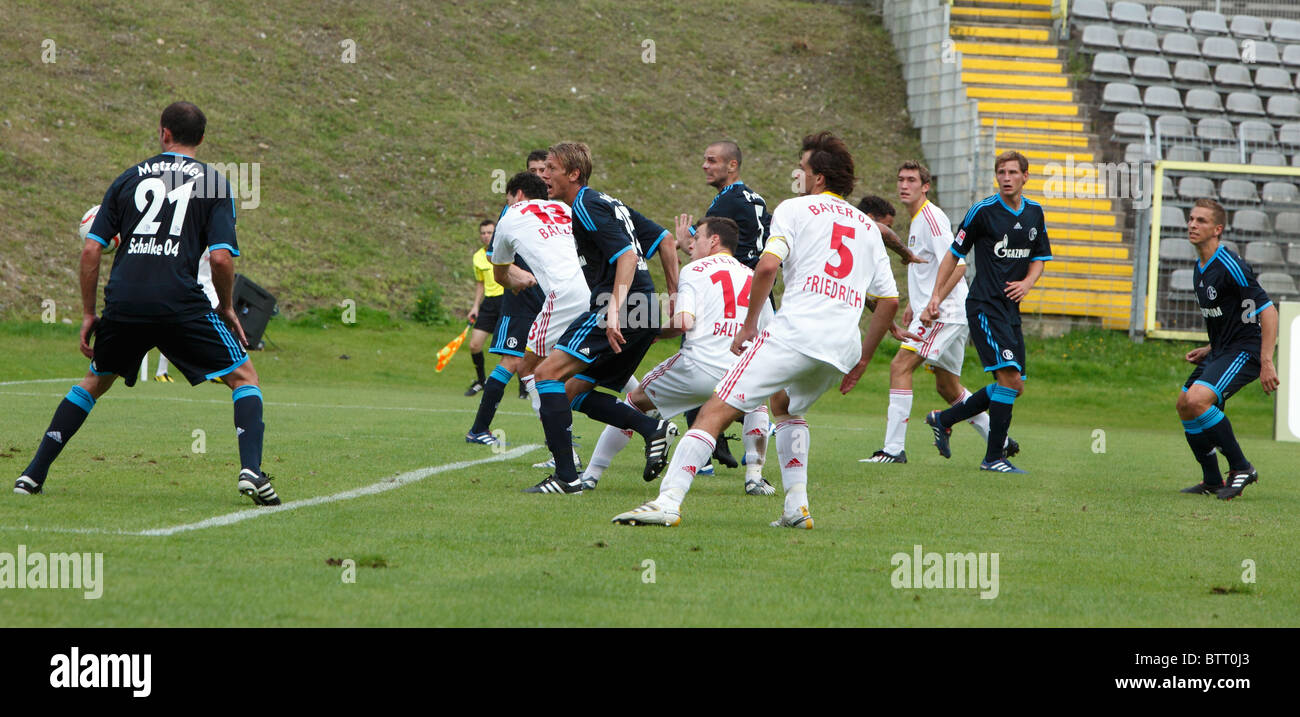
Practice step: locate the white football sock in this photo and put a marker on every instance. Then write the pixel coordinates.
(162, 365)
(531, 387)
(792, 437)
(611, 441)
(693, 451)
(755, 430)
(900, 408)
(980, 421)
(630, 386)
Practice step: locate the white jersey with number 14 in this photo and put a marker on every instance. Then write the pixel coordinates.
(832, 258)
(715, 290)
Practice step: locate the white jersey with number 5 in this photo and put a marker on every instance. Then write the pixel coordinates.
(715, 290)
(832, 258)
(542, 231)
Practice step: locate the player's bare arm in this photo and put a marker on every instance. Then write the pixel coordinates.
(882, 319)
(764, 279)
(941, 288)
(896, 245)
(478, 301)
(90, 255)
(1268, 320)
(672, 269)
(223, 279)
(624, 269)
(512, 277)
(681, 323)
(1017, 290)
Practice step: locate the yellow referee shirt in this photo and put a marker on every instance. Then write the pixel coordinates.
(483, 273)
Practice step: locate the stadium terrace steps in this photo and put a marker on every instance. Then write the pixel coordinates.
(1018, 80)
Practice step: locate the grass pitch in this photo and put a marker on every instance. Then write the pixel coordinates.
(1088, 538)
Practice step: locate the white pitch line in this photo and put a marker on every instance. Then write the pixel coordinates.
(239, 516)
(37, 380)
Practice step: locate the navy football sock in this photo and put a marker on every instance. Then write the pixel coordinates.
(557, 424)
(1001, 400)
(607, 409)
(478, 365)
(690, 416)
(68, 417)
(493, 390)
(1203, 449)
(1217, 428)
(975, 404)
(248, 426)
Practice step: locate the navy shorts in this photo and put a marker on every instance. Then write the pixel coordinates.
(511, 336)
(201, 347)
(998, 341)
(488, 313)
(585, 339)
(1225, 373)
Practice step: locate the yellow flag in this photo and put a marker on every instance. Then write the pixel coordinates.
(446, 352)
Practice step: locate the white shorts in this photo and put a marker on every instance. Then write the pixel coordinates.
(556, 315)
(769, 365)
(677, 385)
(942, 344)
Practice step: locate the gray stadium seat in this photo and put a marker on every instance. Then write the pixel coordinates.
(1273, 79)
(1137, 152)
(1155, 69)
(1192, 72)
(1089, 10)
(1140, 41)
(1284, 30)
(1221, 49)
(1244, 103)
(1252, 222)
(1283, 107)
(1171, 218)
(1280, 193)
(1193, 188)
(1207, 22)
(1263, 252)
(1159, 97)
(1168, 18)
(1176, 249)
(1268, 158)
(1248, 26)
(1174, 127)
(1263, 52)
(1295, 160)
(1100, 37)
(1128, 13)
(1111, 66)
(1213, 128)
(1256, 132)
(1132, 124)
(1177, 44)
(1288, 135)
(1184, 153)
(1122, 94)
(1287, 224)
(1293, 256)
(1202, 101)
(1181, 280)
(1238, 190)
(1167, 188)
(1291, 56)
(1276, 284)
(1225, 155)
(1232, 75)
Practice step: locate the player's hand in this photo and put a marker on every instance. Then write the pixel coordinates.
(612, 332)
(1197, 355)
(902, 334)
(527, 281)
(228, 315)
(907, 315)
(931, 313)
(851, 378)
(88, 324)
(1268, 376)
(910, 258)
(682, 227)
(1017, 290)
(743, 338)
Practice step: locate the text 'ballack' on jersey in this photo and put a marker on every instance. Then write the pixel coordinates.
(541, 232)
(603, 230)
(1230, 298)
(748, 209)
(715, 291)
(1005, 242)
(168, 210)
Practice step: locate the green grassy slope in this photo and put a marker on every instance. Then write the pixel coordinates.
(375, 173)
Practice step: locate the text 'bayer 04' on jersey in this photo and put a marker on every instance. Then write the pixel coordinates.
(603, 230)
(832, 258)
(1005, 243)
(168, 210)
(542, 232)
(715, 291)
(929, 237)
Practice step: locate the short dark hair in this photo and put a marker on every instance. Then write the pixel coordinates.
(537, 155)
(1216, 210)
(486, 222)
(726, 229)
(877, 207)
(1012, 155)
(530, 184)
(730, 150)
(830, 158)
(186, 122)
(917, 167)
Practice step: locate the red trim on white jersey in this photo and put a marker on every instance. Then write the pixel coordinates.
(729, 381)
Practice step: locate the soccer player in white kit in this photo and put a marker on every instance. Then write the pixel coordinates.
(943, 344)
(833, 259)
(712, 304)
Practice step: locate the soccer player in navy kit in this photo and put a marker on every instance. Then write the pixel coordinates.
(1009, 237)
(168, 209)
(603, 346)
(1242, 323)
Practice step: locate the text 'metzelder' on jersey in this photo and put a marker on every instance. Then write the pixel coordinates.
(603, 230)
(541, 231)
(715, 291)
(833, 258)
(168, 210)
(1005, 243)
(749, 210)
(1230, 299)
